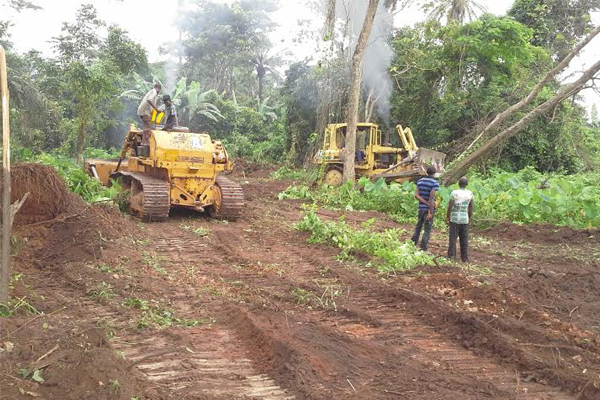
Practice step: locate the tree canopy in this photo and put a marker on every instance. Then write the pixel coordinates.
(449, 76)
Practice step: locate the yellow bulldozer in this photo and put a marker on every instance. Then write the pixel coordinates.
(375, 157)
(160, 169)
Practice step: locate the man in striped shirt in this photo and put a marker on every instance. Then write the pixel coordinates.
(425, 194)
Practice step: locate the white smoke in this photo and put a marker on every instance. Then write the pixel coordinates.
(172, 70)
(379, 54)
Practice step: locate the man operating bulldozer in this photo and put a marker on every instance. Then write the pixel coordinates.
(170, 113)
(149, 103)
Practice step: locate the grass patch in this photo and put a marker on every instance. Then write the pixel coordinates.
(477, 269)
(325, 300)
(108, 327)
(295, 174)
(101, 292)
(390, 254)
(18, 306)
(198, 231)
(154, 261)
(153, 315)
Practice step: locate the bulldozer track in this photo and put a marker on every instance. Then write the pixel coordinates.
(155, 202)
(381, 321)
(232, 199)
(213, 363)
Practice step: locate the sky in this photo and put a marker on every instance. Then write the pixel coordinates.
(150, 22)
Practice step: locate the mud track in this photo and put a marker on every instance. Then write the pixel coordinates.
(260, 314)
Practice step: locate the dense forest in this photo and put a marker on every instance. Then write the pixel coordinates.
(445, 77)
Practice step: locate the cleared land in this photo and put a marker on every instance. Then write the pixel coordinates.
(195, 308)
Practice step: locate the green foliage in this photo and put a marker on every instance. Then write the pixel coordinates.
(300, 93)
(307, 175)
(557, 24)
(197, 230)
(91, 152)
(17, 306)
(70, 99)
(395, 199)
(453, 79)
(78, 181)
(524, 197)
(243, 130)
(530, 197)
(390, 253)
(101, 291)
(222, 40)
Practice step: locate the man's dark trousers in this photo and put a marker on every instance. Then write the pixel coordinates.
(422, 220)
(459, 231)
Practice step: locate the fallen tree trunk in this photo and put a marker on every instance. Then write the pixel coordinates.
(537, 89)
(458, 170)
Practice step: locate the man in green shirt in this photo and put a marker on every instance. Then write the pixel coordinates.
(460, 211)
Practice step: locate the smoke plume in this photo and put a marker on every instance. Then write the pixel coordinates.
(379, 54)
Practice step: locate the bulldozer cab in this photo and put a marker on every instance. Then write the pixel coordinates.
(335, 137)
(373, 151)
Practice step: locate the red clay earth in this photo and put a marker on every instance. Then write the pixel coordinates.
(195, 308)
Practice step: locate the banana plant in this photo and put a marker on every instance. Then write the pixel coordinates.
(266, 111)
(197, 103)
(141, 87)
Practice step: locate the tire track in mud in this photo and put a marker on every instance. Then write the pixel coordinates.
(213, 363)
(376, 320)
(207, 363)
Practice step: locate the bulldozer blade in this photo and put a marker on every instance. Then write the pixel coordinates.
(425, 157)
(414, 167)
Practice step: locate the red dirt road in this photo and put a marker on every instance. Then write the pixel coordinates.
(195, 308)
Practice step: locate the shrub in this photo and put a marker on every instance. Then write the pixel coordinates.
(525, 197)
(390, 253)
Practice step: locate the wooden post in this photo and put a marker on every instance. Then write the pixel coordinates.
(6, 217)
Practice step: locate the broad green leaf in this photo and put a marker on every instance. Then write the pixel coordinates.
(37, 376)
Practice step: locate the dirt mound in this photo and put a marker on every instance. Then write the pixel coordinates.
(48, 196)
(73, 359)
(55, 225)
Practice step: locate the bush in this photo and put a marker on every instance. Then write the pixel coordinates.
(307, 175)
(78, 181)
(391, 254)
(525, 197)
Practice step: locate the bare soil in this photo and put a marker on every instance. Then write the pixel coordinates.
(195, 308)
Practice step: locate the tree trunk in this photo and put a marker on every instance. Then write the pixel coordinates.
(81, 138)
(537, 89)
(354, 94)
(330, 20)
(261, 72)
(455, 173)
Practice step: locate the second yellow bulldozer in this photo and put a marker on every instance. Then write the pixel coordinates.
(376, 157)
(160, 169)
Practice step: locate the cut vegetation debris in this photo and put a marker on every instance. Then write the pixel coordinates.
(390, 253)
